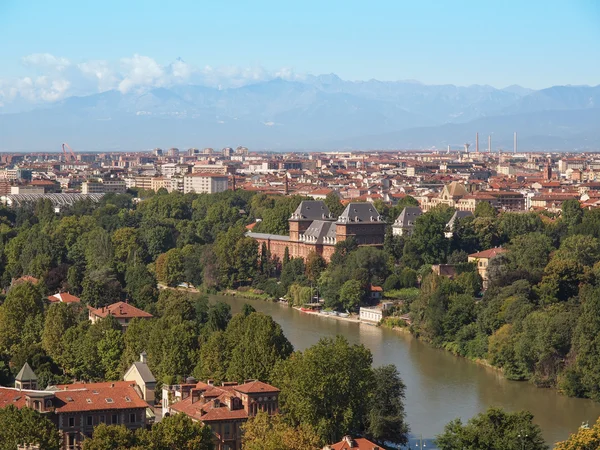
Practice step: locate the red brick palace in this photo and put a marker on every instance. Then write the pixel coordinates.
(314, 229)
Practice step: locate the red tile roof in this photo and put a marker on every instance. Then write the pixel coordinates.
(120, 310)
(97, 397)
(10, 396)
(255, 387)
(359, 443)
(490, 253)
(63, 297)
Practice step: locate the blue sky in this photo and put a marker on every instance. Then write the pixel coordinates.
(532, 43)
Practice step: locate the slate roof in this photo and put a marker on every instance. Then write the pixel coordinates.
(144, 372)
(271, 237)
(458, 215)
(408, 216)
(311, 210)
(26, 373)
(319, 229)
(360, 212)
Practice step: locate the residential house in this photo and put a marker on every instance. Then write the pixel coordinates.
(458, 215)
(404, 224)
(373, 314)
(122, 311)
(482, 259)
(224, 408)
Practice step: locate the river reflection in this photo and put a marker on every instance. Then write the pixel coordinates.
(440, 386)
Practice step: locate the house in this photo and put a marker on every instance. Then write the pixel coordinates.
(458, 215)
(63, 297)
(76, 409)
(314, 229)
(375, 293)
(404, 224)
(122, 311)
(140, 373)
(348, 443)
(444, 270)
(482, 259)
(225, 408)
(373, 314)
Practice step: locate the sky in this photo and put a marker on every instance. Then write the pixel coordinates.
(53, 49)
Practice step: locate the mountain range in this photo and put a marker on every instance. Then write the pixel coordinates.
(318, 112)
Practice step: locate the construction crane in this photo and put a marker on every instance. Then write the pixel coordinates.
(71, 153)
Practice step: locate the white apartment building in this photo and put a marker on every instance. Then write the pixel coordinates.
(205, 183)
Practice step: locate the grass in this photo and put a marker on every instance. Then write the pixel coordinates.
(407, 294)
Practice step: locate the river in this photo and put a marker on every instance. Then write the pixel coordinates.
(439, 385)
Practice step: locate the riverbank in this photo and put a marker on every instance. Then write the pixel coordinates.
(352, 318)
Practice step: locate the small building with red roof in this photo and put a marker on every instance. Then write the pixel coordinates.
(122, 311)
(482, 260)
(348, 443)
(63, 297)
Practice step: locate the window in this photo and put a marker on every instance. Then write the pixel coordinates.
(90, 421)
(71, 421)
(102, 419)
(115, 419)
(132, 417)
(227, 430)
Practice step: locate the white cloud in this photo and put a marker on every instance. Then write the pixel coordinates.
(53, 78)
(46, 60)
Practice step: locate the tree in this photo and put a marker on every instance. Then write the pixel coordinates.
(170, 267)
(494, 429)
(315, 264)
(177, 432)
(264, 432)
(517, 224)
(110, 437)
(428, 235)
(110, 349)
(219, 316)
(18, 426)
(215, 354)
(386, 416)
(59, 318)
(247, 309)
(332, 200)
(485, 209)
(584, 249)
(351, 294)
(530, 251)
(585, 438)
(572, 213)
(257, 343)
(101, 287)
(326, 387)
(22, 311)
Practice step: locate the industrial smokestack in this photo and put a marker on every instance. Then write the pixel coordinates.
(490, 143)
(515, 143)
(476, 142)
(448, 149)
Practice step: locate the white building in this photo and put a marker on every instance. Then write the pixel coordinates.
(205, 183)
(373, 314)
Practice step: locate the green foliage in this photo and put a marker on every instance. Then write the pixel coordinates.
(326, 387)
(494, 430)
(265, 432)
(18, 426)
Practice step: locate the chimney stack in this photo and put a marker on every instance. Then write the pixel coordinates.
(490, 143)
(476, 142)
(515, 143)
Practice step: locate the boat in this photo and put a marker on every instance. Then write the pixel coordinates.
(343, 315)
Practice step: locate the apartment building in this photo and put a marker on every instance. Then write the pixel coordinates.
(101, 186)
(205, 183)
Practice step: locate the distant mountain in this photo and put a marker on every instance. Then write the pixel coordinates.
(317, 112)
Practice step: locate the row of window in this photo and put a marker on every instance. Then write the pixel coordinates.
(113, 420)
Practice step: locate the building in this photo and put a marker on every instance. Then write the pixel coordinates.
(76, 409)
(103, 187)
(123, 312)
(482, 259)
(140, 373)
(458, 215)
(205, 183)
(314, 229)
(373, 314)
(348, 443)
(224, 408)
(404, 224)
(63, 297)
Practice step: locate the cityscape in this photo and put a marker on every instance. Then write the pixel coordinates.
(299, 225)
